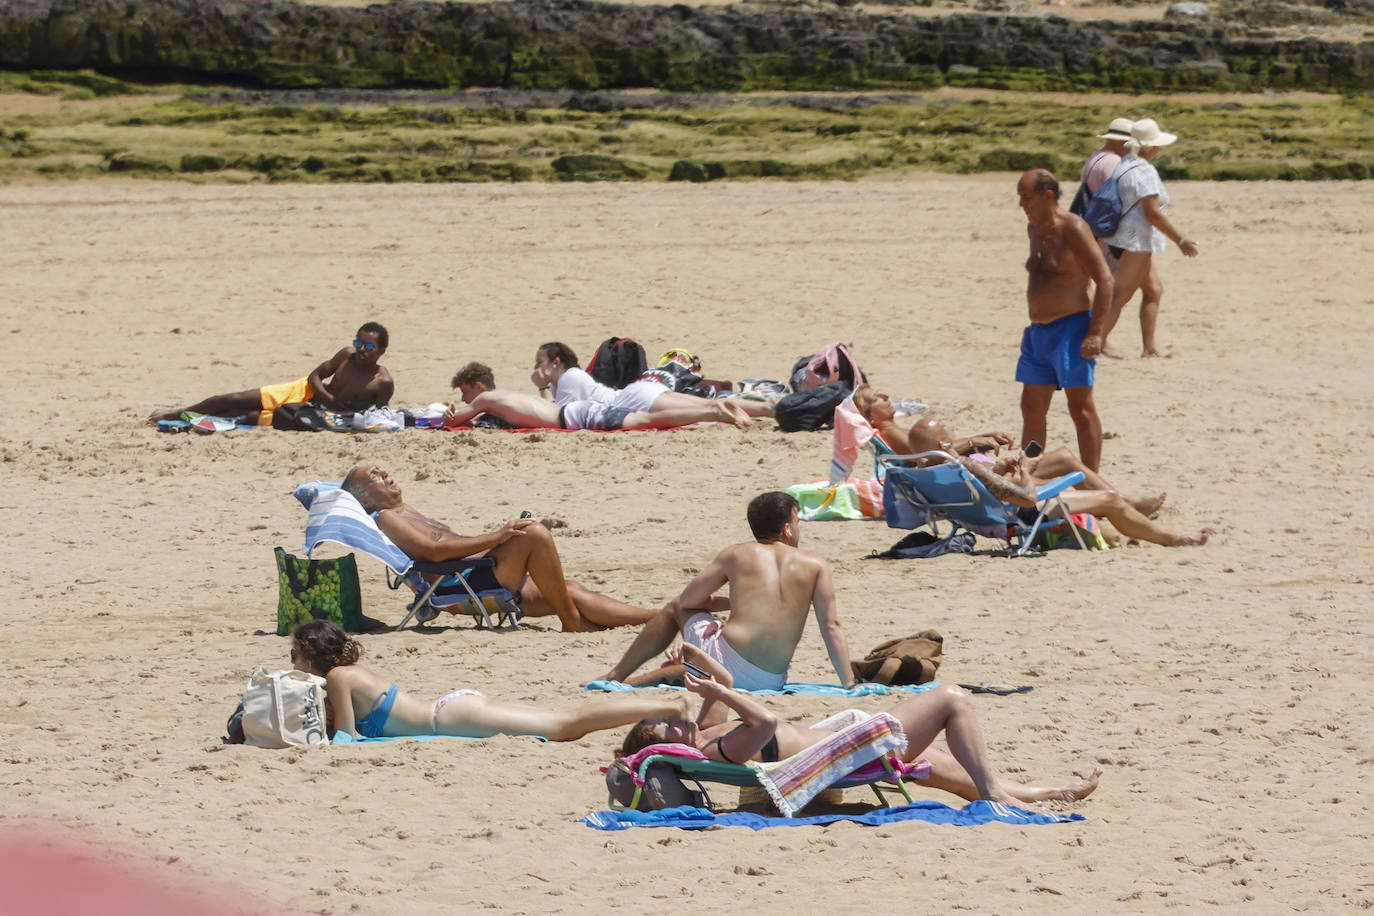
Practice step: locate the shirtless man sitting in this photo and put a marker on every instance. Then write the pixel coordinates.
(527, 561)
(772, 586)
(931, 433)
(356, 381)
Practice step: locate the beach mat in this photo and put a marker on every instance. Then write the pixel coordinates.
(788, 689)
(688, 818)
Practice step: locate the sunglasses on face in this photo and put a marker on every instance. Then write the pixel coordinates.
(364, 345)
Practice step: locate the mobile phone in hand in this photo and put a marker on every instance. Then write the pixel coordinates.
(527, 514)
(1033, 449)
(696, 672)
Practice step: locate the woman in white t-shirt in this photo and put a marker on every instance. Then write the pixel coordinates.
(1145, 228)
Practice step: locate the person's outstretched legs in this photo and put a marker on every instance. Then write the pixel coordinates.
(658, 633)
(533, 551)
(218, 405)
(1131, 272)
(950, 709)
(1061, 461)
(1112, 506)
(604, 610)
(476, 716)
(947, 775)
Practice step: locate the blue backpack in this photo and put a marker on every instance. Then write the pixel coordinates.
(1103, 212)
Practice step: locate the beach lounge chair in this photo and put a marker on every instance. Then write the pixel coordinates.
(856, 755)
(336, 516)
(916, 496)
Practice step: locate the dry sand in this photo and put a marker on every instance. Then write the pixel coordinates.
(1223, 689)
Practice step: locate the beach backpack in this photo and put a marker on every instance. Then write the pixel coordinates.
(663, 788)
(813, 408)
(1103, 212)
(618, 362)
(833, 363)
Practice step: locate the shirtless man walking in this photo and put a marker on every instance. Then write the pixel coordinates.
(1060, 346)
(527, 561)
(355, 381)
(772, 586)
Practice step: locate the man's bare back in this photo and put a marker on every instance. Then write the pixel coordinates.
(771, 586)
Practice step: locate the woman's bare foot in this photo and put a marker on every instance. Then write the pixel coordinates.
(1150, 507)
(1079, 790)
(158, 415)
(1149, 352)
(1185, 541)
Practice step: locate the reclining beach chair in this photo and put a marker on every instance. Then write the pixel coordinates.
(916, 496)
(336, 516)
(856, 755)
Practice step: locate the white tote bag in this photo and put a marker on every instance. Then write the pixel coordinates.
(282, 708)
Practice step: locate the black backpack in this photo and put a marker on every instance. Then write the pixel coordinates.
(618, 362)
(813, 408)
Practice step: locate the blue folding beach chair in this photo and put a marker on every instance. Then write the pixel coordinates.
(336, 516)
(916, 496)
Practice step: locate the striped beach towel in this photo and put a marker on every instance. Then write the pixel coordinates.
(336, 516)
(793, 782)
(852, 433)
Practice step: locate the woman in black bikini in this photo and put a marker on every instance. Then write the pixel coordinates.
(759, 734)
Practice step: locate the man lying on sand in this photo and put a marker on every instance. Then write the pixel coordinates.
(527, 561)
(772, 586)
(759, 735)
(930, 433)
(365, 704)
(356, 381)
(473, 380)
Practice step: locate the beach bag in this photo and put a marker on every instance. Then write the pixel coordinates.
(1103, 211)
(311, 418)
(283, 708)
(317, 590)
(912, 660)
(830, 364)
(674, 376)
(922, 545)
(813, 408)
(617, 362)
(663, 788)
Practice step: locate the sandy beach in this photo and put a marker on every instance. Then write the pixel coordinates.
(1223, 689)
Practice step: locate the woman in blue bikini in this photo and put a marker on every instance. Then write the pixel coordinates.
(363, 703)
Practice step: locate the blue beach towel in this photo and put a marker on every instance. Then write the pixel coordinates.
(971, 815)
(789, 689)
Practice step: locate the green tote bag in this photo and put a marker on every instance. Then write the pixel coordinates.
(317, 590)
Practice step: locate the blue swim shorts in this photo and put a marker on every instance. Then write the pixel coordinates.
(1050, 353)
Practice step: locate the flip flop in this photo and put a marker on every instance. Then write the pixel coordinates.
(1000, 690)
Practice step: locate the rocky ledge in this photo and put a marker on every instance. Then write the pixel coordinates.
(560, 44)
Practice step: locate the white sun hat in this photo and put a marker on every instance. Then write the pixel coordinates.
(1147, 133)
(1119, 129)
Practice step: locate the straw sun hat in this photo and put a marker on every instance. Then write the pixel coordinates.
(1119, 129)
(1147, 133)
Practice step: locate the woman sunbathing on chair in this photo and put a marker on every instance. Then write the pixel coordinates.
(363, 703)
(760, 735)
(1015, 478)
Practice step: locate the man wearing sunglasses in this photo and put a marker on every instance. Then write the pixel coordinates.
(352, 379)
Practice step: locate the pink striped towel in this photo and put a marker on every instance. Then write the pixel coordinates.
(793, 782)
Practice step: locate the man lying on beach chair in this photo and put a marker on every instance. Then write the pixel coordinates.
(527, 561)
(759, 736)
(335, 516)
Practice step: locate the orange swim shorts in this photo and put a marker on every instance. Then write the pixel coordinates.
(274, 396)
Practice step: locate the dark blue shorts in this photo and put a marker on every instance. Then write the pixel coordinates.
(1051, 353)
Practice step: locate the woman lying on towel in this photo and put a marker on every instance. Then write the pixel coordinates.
(759, 735)
(366, 704)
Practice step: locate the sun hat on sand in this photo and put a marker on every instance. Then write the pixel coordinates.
(1147, 133)
(1119, 129)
